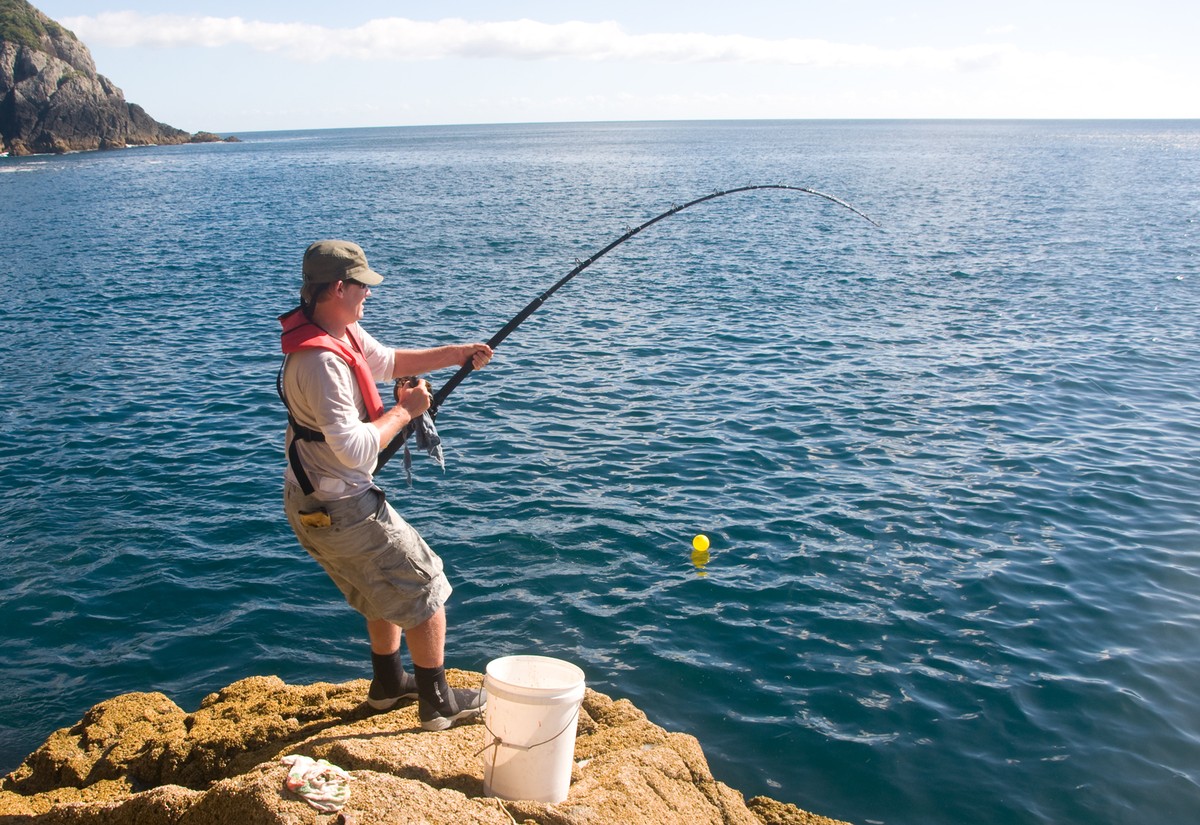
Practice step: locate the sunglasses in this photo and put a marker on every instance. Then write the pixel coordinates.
(353, 282)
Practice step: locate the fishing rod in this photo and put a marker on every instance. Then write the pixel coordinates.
(508, 329)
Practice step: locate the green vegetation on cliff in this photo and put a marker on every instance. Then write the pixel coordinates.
(21, 23)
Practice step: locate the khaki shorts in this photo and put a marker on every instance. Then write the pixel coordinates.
(380, 563)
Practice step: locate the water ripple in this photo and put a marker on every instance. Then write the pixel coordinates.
(948, 469)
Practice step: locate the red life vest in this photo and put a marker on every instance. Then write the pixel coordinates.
(300, 333)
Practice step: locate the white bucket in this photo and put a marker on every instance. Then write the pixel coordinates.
(529, 739)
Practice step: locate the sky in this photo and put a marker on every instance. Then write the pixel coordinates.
(254, 65)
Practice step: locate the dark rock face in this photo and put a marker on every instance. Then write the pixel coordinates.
(53, 100)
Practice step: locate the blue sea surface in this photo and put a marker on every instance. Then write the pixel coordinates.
(949, 467)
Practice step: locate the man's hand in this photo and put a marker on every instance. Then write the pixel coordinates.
(414, 396)
(412, 399)
(477, 354)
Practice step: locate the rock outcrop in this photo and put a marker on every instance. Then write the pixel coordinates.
(139, 758)
(52, 100)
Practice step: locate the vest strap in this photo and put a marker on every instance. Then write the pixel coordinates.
(299, 433)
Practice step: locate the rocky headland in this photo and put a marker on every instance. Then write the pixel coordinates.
(139, 759)
(52, 100)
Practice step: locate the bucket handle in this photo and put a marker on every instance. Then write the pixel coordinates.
(498, 743)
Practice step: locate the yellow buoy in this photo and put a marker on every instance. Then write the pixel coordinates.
(700, 543)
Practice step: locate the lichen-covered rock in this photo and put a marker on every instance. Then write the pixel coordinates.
(139, 758)
(120, 739)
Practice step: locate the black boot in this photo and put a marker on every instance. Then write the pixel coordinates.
(391, 684)
(440, 705)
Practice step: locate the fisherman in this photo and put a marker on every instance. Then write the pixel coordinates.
(337, 424)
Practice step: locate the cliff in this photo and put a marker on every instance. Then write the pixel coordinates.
(53, 100)
(139, 758)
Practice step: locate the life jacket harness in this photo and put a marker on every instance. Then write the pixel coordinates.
(300, 333)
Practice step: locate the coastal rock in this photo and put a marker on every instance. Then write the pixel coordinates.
(140, 758)
(52, 100)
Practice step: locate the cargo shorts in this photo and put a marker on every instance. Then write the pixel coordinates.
(380, 563)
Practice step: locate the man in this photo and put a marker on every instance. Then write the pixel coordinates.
(337, 426)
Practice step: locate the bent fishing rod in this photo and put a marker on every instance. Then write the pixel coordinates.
(508, 329)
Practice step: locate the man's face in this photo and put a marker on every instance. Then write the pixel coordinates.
(354, 296)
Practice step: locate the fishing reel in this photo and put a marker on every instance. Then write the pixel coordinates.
(407, 382)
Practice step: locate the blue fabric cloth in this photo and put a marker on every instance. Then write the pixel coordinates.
(426, 435)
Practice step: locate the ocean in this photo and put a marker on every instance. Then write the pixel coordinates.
(948, 466)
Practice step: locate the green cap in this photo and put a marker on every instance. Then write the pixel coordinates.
(329, 261)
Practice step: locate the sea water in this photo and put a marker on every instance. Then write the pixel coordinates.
(949, 466)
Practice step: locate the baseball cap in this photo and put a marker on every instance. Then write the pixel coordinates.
(329, 261)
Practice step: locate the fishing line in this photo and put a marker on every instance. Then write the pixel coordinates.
(466, 369)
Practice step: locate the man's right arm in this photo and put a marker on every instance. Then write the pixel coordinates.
(320, 388)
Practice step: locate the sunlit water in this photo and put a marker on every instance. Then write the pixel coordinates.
(949, 467)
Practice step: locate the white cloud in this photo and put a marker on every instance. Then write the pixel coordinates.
(396, 38)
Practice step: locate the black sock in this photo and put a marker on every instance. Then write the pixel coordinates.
(431, 685)
(386, 667)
